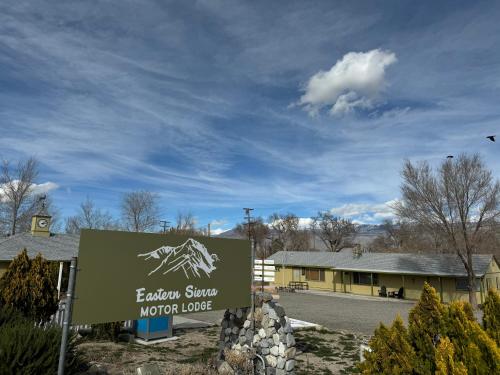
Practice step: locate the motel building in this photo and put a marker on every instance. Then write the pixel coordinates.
(362, 273)
(58, 248)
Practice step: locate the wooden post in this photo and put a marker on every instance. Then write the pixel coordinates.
(371, 281)
(481, 289)
(334, 280)
(59, 279)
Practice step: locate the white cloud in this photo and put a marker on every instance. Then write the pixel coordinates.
(365, 213)
(35, 188)
(355, 81)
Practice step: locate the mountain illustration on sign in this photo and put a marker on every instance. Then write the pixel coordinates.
(192, 257)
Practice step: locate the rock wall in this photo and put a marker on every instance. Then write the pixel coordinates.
(270, 339)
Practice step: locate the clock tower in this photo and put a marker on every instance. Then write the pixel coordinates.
(40, 222)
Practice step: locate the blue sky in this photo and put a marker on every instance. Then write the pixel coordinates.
(288, 106)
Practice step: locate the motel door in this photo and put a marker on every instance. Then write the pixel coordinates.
(296, 274)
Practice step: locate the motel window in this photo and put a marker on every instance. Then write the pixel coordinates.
(315, 274)
(363, 278)
(461, 284)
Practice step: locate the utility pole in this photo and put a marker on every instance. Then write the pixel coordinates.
(208, 229)
(164, 225)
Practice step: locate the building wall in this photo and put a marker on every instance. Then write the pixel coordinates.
(341, 281)
(295, 274)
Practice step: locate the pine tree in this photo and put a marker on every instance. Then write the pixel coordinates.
(29, 287)
(425, 327)
(472, 346)
(491, 317)
(14, 285)
(445, 361)
(43, 289)
(391, 351)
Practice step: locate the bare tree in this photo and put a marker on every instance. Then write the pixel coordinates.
(185, 224)
(259, 232)
(90, 217)
(140, 211)
(287, 234)
(460, 200)
(17, 196)
(335, 232)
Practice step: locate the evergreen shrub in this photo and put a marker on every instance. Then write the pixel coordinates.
(491, 317)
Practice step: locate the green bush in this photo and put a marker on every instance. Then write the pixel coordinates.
(391, 351)
(446, 363)
(29, 286)
(472, 346)
(491, 318)
(425, 325)
(26, 349)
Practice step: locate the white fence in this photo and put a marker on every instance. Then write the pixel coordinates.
(58, 319)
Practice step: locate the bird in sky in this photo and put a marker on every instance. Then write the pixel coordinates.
(491, 138)
(449, 157)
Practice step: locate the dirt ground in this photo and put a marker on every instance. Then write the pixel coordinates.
(319, 352)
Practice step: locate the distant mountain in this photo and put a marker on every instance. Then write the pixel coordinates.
(192, 257)
(366, 234)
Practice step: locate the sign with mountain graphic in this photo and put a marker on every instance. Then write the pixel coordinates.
(124, 276)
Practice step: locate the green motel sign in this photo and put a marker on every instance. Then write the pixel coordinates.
(124, 276)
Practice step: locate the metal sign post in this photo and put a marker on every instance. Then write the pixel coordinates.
(67, 317)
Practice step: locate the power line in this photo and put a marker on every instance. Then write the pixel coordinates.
(165, 225)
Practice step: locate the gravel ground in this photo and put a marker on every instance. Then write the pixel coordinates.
(354, 314)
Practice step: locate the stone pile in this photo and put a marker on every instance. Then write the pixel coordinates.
(270, 340)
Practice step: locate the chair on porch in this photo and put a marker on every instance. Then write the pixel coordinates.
(400, 293)
(382, 292)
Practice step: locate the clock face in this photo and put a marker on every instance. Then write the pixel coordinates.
(42, 223)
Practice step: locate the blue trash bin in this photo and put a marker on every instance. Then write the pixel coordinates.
(154, 328)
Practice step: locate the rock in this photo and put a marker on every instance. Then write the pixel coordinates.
(235, 330)
(290, 353)
(290, 341)
(239, 313)
(273, 314)
(290, 364)
(288, 326)
(276, 339)
(242, 340)
(266, 297)
(280, 311)
(262, 333)
(265, 351)
(283, 337)
(271, 360)
(270, 332)
(225, 369)
(224, 323)
(270, 371)
(280, 371)
(249, 335)
(265, 308)
(281, 362)
(227, 331)
(274, 351)
(256, 339)
(264, 344)
(247, 324)
(282, 348)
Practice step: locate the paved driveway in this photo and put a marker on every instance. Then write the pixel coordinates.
(336, 312)
(344, 312)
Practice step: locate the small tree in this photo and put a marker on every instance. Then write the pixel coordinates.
(259, 233)
(29, 287)
(472, 346)
(90, 217)
(391, 351)
(425, 326)
(445, 360)
(491, 317)
(335, 232)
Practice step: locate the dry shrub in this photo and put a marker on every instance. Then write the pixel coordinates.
(239, 361)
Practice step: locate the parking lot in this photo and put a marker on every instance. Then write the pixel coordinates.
(336, 312)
